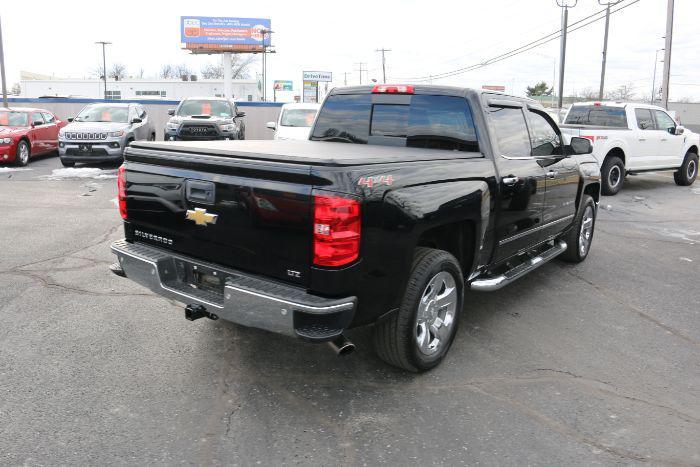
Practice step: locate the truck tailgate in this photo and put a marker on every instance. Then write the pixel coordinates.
(249, 215)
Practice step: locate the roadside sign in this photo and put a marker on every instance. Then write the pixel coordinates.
(283, 85)
(222, 31)
(310, 93)
(318, 76)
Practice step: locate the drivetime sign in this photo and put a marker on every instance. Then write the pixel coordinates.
(318, 76)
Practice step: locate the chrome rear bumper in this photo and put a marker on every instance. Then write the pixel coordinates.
(244, 299)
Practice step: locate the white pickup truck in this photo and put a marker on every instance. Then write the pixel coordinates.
(631, 138)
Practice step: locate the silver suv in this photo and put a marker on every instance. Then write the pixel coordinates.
(100, 133)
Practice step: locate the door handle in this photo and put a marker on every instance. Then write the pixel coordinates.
(552, 174)
(642, 139)
(664, 139)
(510, 181)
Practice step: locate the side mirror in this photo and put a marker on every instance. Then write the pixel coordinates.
(37, 123)
(136, 120)
(271, 125)
(581, 145)
(679, 130)
(240, 114)
(69, 119)
(171, 112)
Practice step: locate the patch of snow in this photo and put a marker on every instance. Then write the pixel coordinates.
(12, 169)
(83, 172)
(683, 258)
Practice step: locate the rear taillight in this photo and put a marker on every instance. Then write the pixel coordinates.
(336, 230)
(121, 188)
(392, 89)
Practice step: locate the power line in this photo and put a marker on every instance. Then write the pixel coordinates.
(524, 48)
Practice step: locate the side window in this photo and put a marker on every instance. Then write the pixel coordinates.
(544, 137)
(511, 132)
(644, 119)
(37, 118)
(48, 118)
(663, 120)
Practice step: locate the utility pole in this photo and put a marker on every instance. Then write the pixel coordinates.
(667, 55)
(382, 50)
(360, 69)
(564, 5)
(653, 81)
(345, 78)
(605, 43)
(2, 71)
(104, 64)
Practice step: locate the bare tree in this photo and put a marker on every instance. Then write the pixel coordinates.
(117, 72)
(182, 70)
(622, 93)
(240, 68)
(16, 89)
(212, 71)
(139, 75)
(167, 72)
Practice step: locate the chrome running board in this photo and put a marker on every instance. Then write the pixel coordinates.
(488, 284)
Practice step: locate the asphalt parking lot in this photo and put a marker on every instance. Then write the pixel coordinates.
(597, 363)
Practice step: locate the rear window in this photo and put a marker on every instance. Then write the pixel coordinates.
(598, 115)
(436, 122)
(298, 117)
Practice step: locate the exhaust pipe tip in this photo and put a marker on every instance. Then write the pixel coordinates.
(341, 346)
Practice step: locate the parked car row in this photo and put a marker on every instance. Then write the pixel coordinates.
(27, 132)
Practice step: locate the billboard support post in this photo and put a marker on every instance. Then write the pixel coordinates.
(228, 75)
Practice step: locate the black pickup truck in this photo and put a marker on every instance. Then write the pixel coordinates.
(403, 196)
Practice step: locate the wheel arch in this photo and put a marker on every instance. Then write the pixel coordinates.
(616, 151)
(457, 238)
(693, 148)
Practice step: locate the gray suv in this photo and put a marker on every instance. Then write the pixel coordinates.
(205, 118)
(100, 133)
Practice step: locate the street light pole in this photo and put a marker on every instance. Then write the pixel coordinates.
(564, 5)
(653, 81)
(605, 44)
(104, 64)
(2, 71)
(667, 55)
(264, 32)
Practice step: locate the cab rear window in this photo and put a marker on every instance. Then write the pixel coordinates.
(435, 122)
(598, 115)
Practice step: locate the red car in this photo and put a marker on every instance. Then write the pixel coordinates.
(26, 132)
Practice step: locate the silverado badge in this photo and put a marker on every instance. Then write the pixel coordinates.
(201, 216)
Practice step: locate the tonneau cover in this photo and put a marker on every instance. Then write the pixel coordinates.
(304, 152)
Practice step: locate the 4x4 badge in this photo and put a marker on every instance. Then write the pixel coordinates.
(201, 216)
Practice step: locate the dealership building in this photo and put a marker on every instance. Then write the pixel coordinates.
(169, 89)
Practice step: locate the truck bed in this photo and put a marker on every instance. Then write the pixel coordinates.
(299, 152)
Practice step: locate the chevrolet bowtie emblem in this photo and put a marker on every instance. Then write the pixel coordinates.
(201, 216)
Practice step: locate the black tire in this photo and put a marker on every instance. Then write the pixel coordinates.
(396, 339)
(22, 154)
(580, 237)
(67, 164)
(688, 172)
(152, 137)
(613, 175)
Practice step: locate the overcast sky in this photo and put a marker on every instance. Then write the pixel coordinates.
(426, 37)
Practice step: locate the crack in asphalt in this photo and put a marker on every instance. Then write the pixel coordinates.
(634, 309)
(46, 282)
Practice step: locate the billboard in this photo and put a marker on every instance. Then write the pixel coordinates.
(223, 31)
(318, 76)
(283, 85)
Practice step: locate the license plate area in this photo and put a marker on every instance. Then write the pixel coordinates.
(85, 147)
(200, 277)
